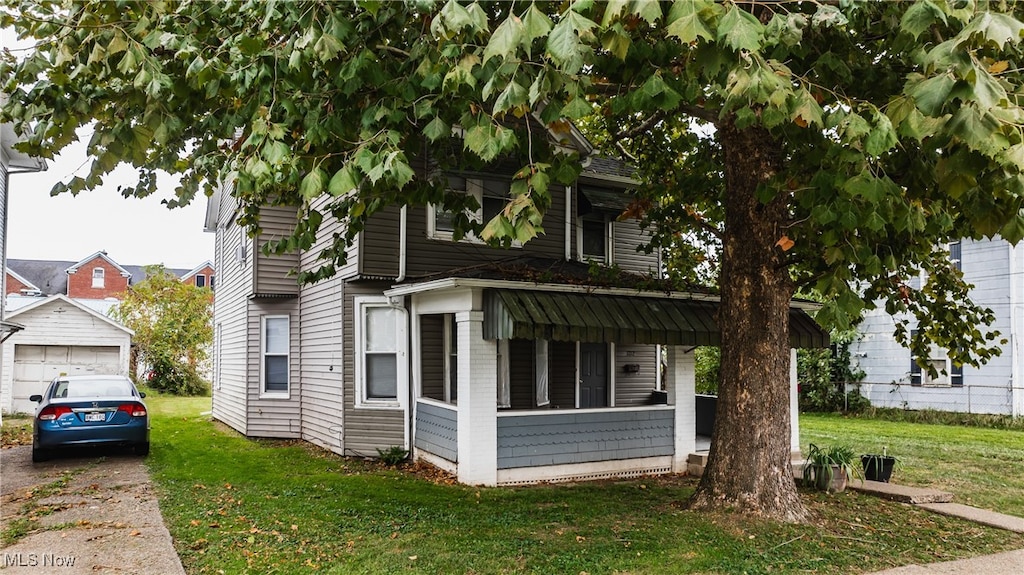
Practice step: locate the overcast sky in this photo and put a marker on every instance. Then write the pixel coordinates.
(131, 231)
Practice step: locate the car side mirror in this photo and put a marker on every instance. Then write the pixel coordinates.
(142, 394)
(36, 398)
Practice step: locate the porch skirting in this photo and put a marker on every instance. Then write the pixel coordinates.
(622, 468)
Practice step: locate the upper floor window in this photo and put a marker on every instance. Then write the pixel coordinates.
(275, 351)
(200, 280)
(490, 194)
(955, 254)
(595, 233)
(380, 349)
(97, 277)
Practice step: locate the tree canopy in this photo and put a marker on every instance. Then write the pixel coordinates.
(826, 145)
(173, 325)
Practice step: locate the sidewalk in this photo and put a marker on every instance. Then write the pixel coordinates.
(1008, 563)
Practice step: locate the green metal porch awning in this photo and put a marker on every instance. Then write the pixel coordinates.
(562, 316)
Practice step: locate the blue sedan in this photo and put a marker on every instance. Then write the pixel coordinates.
(89, 410)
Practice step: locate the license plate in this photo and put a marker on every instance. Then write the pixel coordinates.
(98, 416)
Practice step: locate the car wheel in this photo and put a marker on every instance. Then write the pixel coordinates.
(39, 455)
(142, 449)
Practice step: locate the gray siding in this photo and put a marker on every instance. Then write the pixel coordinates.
(568, 437)
(366, 429)
(320, 350)
(635, 388)
(230, 307)
(626, 237)
(437, 431)
(275, 274)
(379, 243)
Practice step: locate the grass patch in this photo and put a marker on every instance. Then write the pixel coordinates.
(980, 466)
(236, 505)
(31, 510)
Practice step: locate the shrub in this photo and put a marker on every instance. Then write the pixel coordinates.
(177, 378)
(393, 456)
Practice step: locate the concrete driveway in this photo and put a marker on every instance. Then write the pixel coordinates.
(94, 514)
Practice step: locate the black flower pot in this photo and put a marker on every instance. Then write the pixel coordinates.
(878, 467)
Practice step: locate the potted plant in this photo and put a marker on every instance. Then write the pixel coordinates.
(828, 468)
(878, 467)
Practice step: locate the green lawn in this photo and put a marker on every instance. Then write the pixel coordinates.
(981, 467)
(240, 506)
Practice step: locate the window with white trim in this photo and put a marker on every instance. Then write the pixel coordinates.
(380, 349)
(451, 356)
(200, 280)
(274, 348)
(491, 195)
(98, 277)
(955, 254)
(948, 373)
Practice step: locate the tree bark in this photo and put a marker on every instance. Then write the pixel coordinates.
(749, 467)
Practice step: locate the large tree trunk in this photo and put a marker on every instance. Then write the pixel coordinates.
(749, 467)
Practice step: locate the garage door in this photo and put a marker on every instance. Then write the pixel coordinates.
(36, 365)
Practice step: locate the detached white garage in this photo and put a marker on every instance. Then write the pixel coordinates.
(61, 336)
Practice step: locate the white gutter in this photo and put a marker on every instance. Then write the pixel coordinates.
(402, 229)
(568, 223)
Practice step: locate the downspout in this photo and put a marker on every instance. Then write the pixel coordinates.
(1016, 331)
(402, 227)
(568, 223)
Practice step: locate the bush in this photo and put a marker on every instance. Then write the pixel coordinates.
(707, 360)
(823, 375)
(393, 456)
(177, 378)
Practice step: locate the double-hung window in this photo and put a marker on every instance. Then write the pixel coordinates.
(595, 234)
(490, 194)
(380, 348)
(948, 374)
(97, 277)
(200, 280)
(274, 349)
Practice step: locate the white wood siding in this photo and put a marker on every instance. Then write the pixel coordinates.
(273, 416)
(320, 348)
(233, 262)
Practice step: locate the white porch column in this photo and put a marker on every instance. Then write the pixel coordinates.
(680, 383)
(794, 405)
(478, 401)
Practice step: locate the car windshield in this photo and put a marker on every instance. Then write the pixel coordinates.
(92, 388)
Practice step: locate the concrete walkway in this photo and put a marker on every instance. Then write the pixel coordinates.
(1008, 563)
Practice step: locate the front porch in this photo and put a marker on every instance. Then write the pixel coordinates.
(512, 384)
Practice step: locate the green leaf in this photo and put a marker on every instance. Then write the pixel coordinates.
(536, 24)
(436, 129)
(648, 10)
(931, 95)
(1013, 231)
(313, 184)
(979, 130)
(514, 95)
(612, 10)
(455, 17)
(994, 28)
(577, 108)
(327, 47)
(685, 23)
(828, 16)
(882, 136)
(866, 186)
(805, 109)
(343, 181)
(616, 41)
(740, 29)
(920, 16)
(988, 93)
(275, 152)
(505, 39)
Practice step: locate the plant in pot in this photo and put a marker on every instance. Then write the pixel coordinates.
(878, 467)
(828, 468)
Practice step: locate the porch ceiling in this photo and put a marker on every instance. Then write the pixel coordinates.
(558, 316)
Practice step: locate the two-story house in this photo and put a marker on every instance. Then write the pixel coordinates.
(502, 366)
(893, 379)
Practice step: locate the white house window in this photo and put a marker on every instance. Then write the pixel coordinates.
(200, 280)
(380, 345)
(275, 344)
(490, 194)
(955, 254)
(97, 277)
(451, 356)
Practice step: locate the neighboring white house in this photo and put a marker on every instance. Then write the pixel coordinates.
(61, 336)
(996, 270)
(501, 366)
